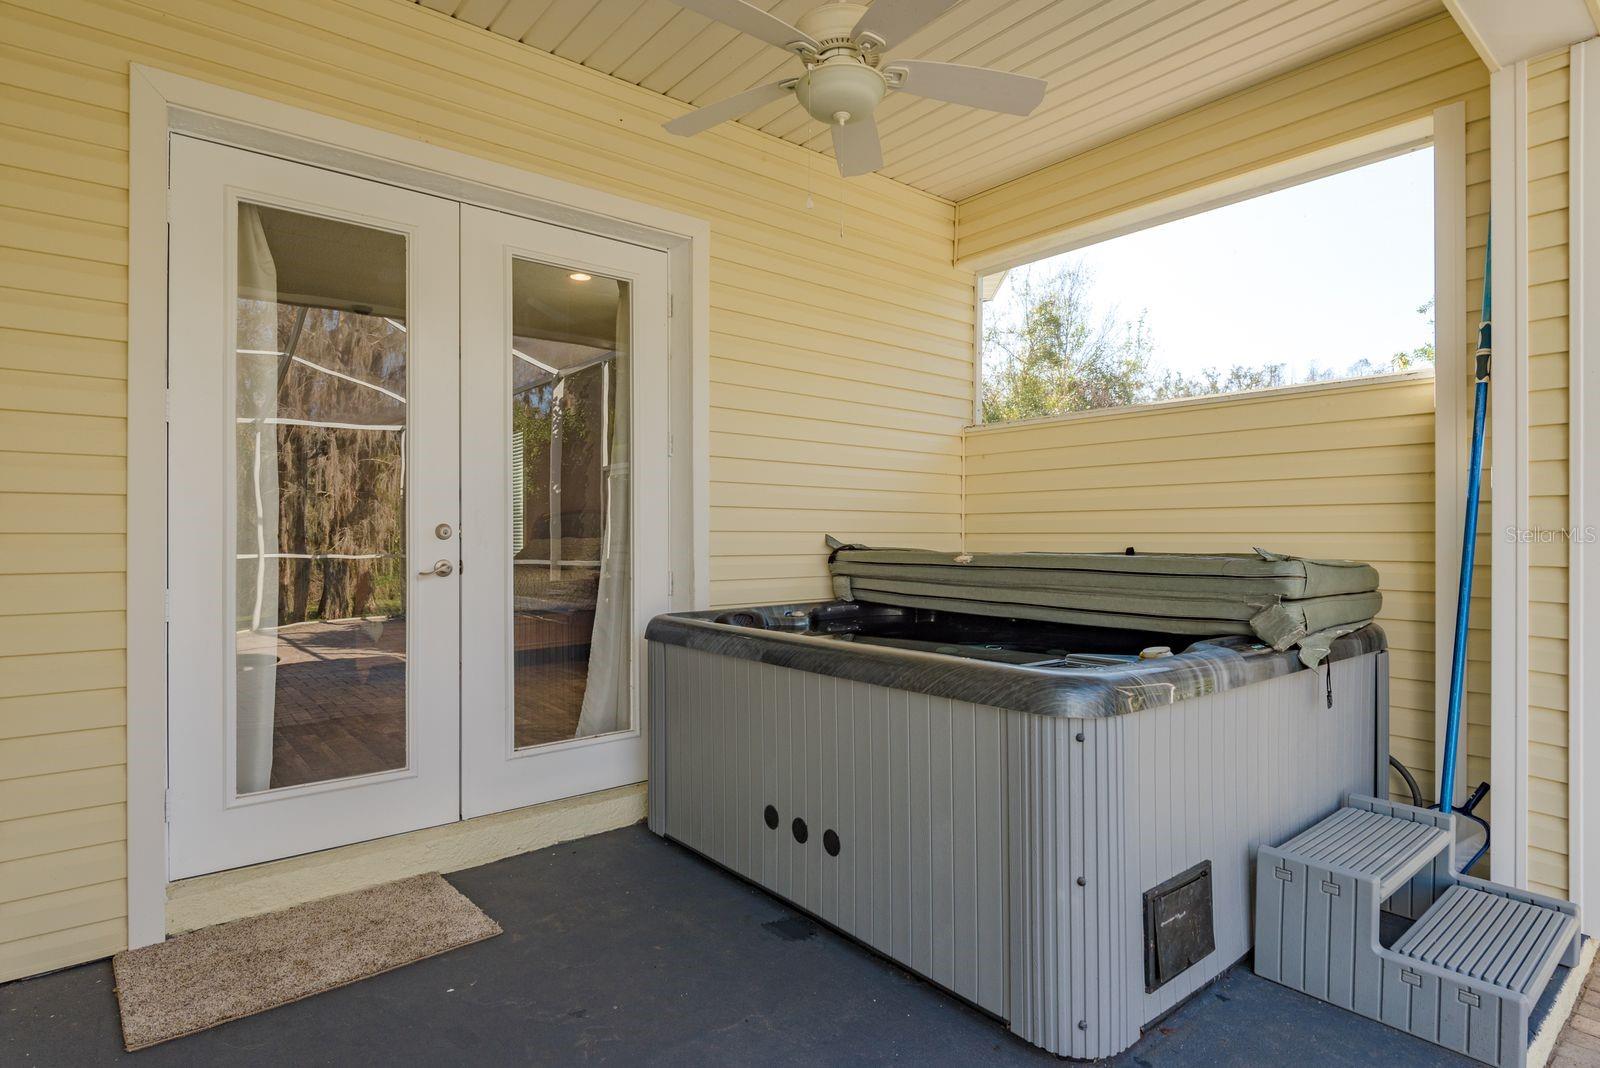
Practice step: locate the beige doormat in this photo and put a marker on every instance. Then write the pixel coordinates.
(222, 973)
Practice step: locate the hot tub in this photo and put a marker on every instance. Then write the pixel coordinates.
(1034, 816)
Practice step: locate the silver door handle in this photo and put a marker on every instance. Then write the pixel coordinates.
(443, 569)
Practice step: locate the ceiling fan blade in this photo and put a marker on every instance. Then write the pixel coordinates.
(892, 21)
(731, 108)
(856, 147)
(746, 18)
(977, 87)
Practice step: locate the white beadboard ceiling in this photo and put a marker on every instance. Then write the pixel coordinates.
(1113, 66)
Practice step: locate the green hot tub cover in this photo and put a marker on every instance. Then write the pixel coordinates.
(1284, 601)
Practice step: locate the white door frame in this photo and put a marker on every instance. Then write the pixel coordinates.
(162, 103)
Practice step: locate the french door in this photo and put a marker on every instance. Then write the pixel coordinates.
(410, 497)
(564, 504)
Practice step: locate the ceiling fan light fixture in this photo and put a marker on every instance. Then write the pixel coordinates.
(831, 89)
(842, 45)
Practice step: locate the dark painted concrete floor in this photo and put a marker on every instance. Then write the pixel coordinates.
(624, 948)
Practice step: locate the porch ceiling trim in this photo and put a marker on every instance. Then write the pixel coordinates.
(1505, 33)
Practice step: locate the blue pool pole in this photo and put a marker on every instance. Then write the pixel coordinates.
(1469, 546)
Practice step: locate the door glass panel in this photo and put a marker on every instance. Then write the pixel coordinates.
(320, 484)
(569, 490)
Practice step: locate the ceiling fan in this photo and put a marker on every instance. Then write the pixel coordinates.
(842, 46)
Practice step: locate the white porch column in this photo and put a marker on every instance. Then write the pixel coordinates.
(1583, 797)
(1508, 475)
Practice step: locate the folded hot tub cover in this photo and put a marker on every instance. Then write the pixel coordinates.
(1284, 601)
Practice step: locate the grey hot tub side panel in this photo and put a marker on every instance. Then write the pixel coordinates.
(923, 883)
(965, 827)
(1142, 798)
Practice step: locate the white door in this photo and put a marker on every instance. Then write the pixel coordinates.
(564, 491)
(313, 487)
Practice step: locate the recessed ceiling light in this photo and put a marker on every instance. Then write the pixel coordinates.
(578, 276)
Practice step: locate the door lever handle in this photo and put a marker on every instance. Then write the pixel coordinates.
(443, 569)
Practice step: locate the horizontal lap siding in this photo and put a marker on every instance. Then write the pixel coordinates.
(1398, 77)
(1342, 471)
(63, 291)
(840, 370)
(1548, 90)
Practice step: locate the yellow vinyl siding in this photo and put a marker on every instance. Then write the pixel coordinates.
(1548, 88)
(1341, 471)
(1218, 464)
(1398, 77)
(841, 372)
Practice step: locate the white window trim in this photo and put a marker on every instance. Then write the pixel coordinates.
(1452, 407)
(1508, 420)
(1583, 685)
(162, 103)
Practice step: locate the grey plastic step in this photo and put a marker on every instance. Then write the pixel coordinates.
(1470, 969)
(1486, 938)
(1370, 845)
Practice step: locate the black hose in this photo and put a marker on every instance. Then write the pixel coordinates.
(1468, 810)
(1465, 810)
(1411, 781)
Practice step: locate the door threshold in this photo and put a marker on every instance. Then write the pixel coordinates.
(230, 895)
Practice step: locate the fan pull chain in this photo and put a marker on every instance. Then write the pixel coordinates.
(810, 203)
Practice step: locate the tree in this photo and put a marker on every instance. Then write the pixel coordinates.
(1414, 360)
(1051, 358)
(340, 490)
(1422, 354)
(1175, 385)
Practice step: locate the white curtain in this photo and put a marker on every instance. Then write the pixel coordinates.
(256, 367)
(606, 694)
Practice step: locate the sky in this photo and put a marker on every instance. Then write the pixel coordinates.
(1318, 275)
